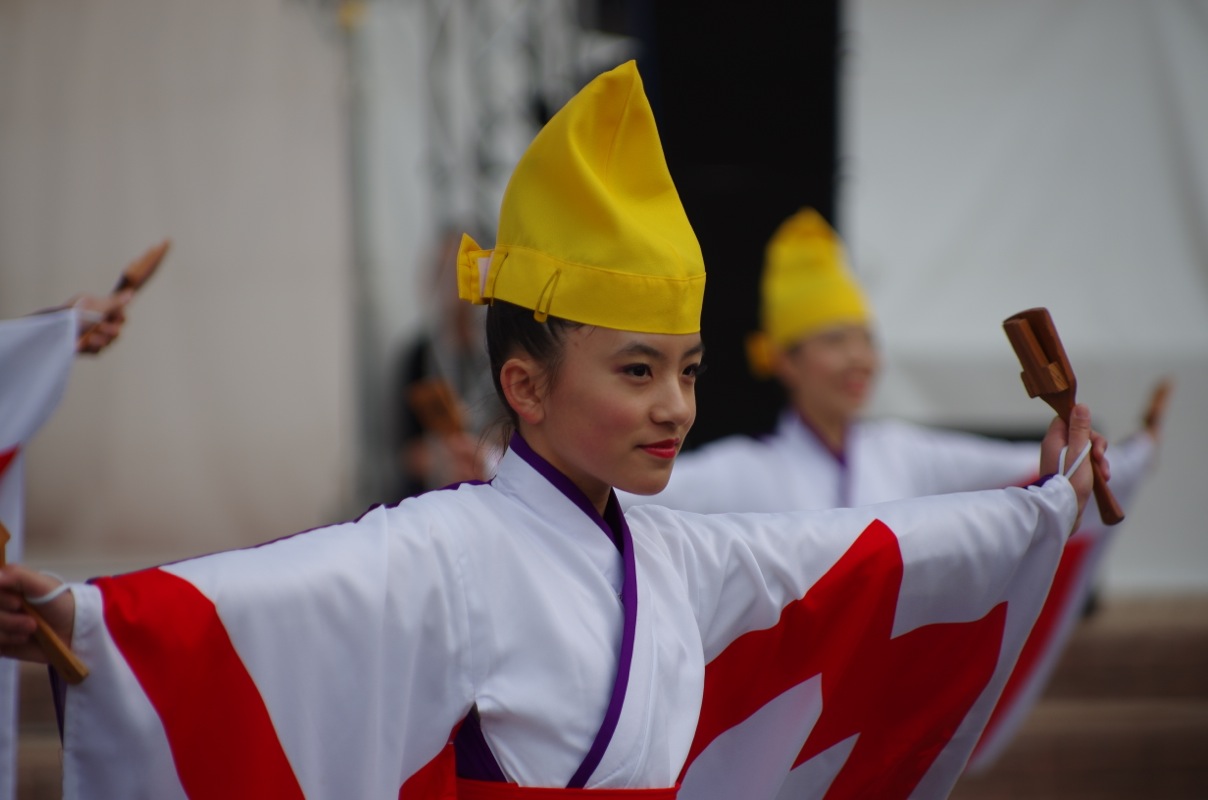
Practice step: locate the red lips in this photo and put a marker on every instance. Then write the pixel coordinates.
(664, 449)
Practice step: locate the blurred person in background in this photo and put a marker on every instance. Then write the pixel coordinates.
(444, 398)
(818, 341)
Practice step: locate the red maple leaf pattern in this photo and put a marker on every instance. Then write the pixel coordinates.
(903, 697)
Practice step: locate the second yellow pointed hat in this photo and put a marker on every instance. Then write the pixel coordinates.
(806, 287)
(591, 228)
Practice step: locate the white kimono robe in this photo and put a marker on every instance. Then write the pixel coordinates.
(793, 469)
(336, 663)
(36, 354)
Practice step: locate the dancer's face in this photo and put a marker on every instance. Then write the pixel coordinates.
(617, 409)
(829, 374)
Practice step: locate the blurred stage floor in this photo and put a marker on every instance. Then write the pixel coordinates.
(1125, 714)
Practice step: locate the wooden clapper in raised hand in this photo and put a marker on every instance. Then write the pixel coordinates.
(136, 273)
(1047, 374)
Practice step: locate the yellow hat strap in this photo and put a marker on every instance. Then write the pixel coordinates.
(546, 299)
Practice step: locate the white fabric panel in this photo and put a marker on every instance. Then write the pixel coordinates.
(1003, 156)
(795, 712)
(223, 415)
(36, 354)
(813, 779)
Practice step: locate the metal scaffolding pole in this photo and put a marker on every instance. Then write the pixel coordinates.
(493, 67)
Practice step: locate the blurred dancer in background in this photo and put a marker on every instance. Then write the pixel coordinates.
(817, 340)
(445, 399)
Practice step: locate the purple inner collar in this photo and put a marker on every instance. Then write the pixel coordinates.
(612, 523)
(840, 456)
(609, 523)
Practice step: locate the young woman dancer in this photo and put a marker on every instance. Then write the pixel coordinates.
(526, 634)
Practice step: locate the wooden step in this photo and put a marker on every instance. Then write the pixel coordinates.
(1151, 647)
(1103, 749)
(37, 711)
(39, 766)
(1125, 714)
(39, 754)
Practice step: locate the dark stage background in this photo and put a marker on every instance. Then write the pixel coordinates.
(745, 99)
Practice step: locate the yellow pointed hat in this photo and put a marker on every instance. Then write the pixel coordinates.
(806, 287)
(591, 228)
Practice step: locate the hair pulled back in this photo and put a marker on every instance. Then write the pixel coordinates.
(512, 330)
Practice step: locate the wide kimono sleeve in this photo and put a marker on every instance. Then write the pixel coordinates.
(938, 461)
(862, 650)
(329, 664)
(1065, 604)
(36, 354)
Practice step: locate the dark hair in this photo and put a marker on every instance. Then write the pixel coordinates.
(512, 329)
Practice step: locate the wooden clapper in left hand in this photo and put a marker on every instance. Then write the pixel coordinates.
(57, 652)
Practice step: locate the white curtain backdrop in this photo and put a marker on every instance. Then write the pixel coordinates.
(999, 156)
(224, 415)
